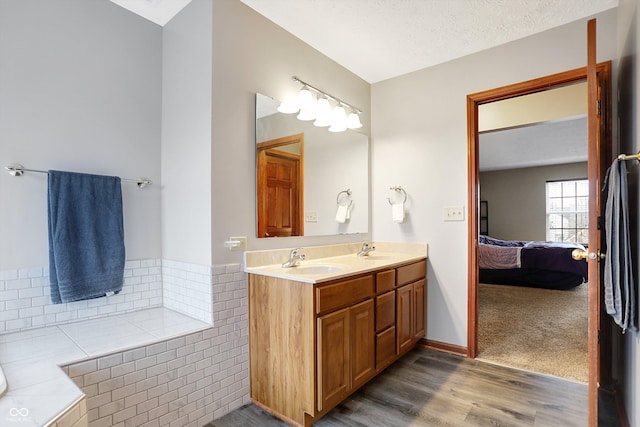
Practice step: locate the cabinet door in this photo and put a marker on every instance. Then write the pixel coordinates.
(333, 358)
(405, 318)
(362, 343)
(385, 347)
(419, 304)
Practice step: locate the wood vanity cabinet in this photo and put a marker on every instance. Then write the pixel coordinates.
(411, 319)
(346, 349)
(312, 345)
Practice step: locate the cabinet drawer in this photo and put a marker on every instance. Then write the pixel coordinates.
(385, 310)
(411, 273)
(342, 294)
(385, 281)
(385, 347)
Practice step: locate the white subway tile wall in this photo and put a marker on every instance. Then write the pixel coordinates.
(187, 381)
(187, 289)
(25, 300)
(76, 416)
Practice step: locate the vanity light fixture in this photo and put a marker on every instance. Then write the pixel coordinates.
(317, 107)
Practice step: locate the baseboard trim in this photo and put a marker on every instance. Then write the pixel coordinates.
(443, 346)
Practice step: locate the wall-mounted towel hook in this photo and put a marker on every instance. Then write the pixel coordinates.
(398, 189)
(343, 197)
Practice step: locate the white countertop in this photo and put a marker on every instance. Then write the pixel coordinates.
(39, 391)
(324, 263)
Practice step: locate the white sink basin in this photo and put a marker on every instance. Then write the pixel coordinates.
(314, 269)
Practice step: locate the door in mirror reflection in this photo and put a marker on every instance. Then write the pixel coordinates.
(279, 187)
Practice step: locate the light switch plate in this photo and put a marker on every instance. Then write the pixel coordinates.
(454, 213)
(311, 216)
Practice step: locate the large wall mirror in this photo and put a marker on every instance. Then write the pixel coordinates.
(309, 181)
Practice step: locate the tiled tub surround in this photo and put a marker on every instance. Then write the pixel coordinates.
(31, 359)
(25, 300)
(186, 288)
(147, 367)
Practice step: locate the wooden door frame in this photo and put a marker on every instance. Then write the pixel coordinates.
(598, 373)
(497, 94)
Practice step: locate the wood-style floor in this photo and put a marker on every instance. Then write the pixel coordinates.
(431, 388)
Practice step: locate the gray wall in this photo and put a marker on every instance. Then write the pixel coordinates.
(423, 147)
(80, 90)
(251, 54)
(186, 134)
(517, 199)
(628, 51)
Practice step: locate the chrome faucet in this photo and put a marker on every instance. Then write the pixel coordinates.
(366, 248)
(295, 257)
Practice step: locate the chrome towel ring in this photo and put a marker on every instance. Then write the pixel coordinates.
(398, 189)
(343, 197)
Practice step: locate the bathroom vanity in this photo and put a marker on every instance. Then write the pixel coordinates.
(319, 331)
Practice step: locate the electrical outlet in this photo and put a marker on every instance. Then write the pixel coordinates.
(243, 243)
(311, 216)
(454, 213)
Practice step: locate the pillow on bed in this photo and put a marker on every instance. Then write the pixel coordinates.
(497, 242)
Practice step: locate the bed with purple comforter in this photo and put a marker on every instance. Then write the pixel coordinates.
(546, 265)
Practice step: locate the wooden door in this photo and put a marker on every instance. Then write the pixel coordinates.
(419, 304)
(278, 194)
(280, 186)
(362, 343)
(599, 157)
(333, 358)
(404, 322)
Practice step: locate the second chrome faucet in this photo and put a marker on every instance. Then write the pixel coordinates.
(366, 248)
(295, 256)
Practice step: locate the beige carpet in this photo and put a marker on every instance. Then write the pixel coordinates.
(534, 329)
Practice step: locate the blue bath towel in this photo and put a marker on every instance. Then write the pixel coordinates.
(86, 236)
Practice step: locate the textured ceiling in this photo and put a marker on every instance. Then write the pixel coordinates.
(381, 39)
(548, 143)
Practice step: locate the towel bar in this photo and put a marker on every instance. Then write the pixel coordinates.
(16, 169)
(629, 156)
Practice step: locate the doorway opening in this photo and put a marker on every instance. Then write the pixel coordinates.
(477, 210)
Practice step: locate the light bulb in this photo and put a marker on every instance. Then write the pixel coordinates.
(305, 99)
(338, 120)
(323, 113)
(287, 108)
(305, 115)
(353, 121)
